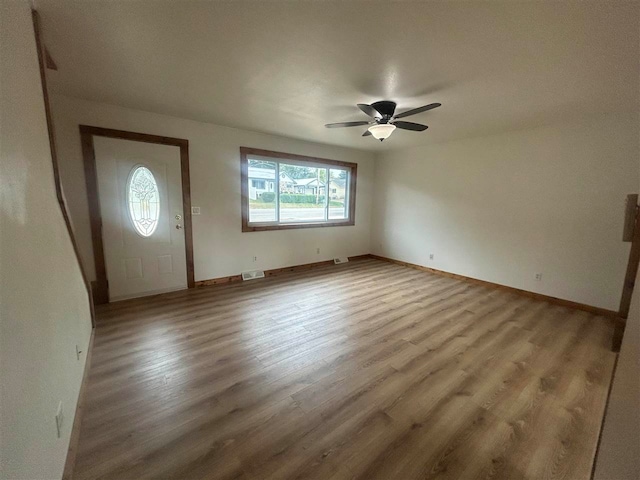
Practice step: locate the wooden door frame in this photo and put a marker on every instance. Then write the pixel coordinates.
(101, 286)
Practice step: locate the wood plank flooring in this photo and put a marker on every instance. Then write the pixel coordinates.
(365, 370)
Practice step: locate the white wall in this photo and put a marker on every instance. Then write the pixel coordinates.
(44, 309)
(220, 247)
(505, 207)
(619, 452)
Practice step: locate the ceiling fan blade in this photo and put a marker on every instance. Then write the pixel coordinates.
(346, 124)
(416, 127)
(367, 133)
(431, 106)
(369, 110)
(385, 107)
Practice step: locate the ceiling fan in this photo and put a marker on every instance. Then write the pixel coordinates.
(385, 120)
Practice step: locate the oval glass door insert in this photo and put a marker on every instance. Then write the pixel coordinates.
(144, 200)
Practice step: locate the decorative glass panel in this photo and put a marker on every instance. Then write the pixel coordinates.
(144, 200)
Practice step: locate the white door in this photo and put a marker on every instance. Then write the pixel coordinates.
(140, 192)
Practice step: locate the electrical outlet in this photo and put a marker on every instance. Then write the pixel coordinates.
(78, 352)
(255, 259)
(431, 256)
(59, 419)
(318, 251)
(195, 210)
(538, 277)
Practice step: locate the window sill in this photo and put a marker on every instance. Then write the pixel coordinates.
(264, 228)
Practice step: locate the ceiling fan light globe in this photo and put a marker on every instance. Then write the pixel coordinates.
(380, 132)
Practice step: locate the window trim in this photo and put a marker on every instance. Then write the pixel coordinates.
(245, 152)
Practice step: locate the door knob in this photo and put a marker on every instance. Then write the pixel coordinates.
(178, 226)
(178, 217)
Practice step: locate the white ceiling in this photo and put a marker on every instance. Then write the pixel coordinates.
(290, 67)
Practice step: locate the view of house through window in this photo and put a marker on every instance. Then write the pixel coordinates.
(288, 192)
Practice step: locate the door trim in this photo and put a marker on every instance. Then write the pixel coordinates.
(101, 286)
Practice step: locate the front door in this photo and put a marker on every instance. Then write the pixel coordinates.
(140, 193)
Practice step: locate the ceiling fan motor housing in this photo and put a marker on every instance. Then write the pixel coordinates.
(386, 108)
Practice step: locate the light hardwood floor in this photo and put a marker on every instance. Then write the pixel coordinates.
(365, 370)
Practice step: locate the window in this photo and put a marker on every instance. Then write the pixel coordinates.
(303, 191)
(144, 200)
